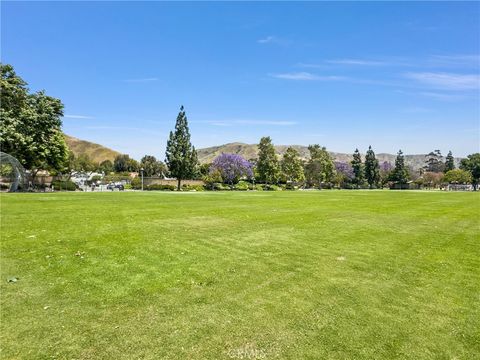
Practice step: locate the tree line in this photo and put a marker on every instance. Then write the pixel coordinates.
(30, 130)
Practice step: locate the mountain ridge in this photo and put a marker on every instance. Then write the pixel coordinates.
(99, 153)
(250, 151)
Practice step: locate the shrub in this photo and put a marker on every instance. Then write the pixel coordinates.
(127, 186)
(186, 187)
(242, 186)
(259, 187)
(117, 177)
(291, 186)
(160, 187)
(136, 183)
(219, 187)
(64, 185)
(272, 188)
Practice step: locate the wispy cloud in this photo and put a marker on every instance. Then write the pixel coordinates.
(360, 62)
(273, 40)
(471, 61)
(455, 60)
(306, 76)
(141, 80)
(70, 116)
(441, 96)
(416, 110)
(266, 40)
(447, 81)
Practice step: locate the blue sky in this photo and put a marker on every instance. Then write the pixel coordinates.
(344, 75)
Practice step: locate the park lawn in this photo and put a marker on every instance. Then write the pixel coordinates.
(241, 275)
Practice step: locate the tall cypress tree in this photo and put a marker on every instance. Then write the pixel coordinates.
(267, 165)
(372, 168)
(181, 156)
(358, 170)
(449, 162)
(399, 173)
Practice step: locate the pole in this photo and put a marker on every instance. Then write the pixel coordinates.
(141, 170)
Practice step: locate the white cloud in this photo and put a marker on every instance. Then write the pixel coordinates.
(446, 80)
(306, 76)
(70, 116)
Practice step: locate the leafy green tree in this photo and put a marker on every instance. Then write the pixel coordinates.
(123, 163)
(434, 162)
(152, 167)
(458, 176)
(14, 91)
(83, 163)
(372, 168)
(320, 168)
(30, 126)
(69, 166)
(204, 170)
(181, 156)
(267, 166)
(472, 164)
(431, 179)
(449, 162)
(292, 165)
(400, 173)
(358, 169)
(106, 166)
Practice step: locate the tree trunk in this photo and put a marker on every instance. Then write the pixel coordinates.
(178, 184)
(33, 176)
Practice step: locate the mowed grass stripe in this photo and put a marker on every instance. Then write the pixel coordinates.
(331, 274)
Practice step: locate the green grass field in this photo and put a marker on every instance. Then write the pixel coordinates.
(265, 275)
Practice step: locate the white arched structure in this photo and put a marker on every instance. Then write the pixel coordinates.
(18, 172)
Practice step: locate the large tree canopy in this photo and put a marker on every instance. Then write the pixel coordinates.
(472, 164)
(320, 168)
(30, 127)
(232, 167)
(292, 165)
(152, 167)
(123, 163)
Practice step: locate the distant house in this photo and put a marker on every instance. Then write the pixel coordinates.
(80, 178)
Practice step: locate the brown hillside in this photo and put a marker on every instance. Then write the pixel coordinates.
(96, 152)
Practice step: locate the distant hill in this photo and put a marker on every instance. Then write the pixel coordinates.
(250, 151)
(96, 152)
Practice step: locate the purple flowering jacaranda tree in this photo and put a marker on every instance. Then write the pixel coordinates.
(232, 167)
(345, 169)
